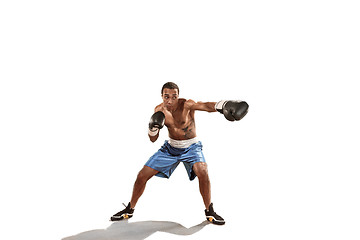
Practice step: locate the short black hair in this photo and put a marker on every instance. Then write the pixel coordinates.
(170, 85)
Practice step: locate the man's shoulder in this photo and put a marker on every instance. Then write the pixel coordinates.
(188, 103)
(159, 107)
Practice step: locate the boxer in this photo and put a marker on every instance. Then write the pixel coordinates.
(178, 115)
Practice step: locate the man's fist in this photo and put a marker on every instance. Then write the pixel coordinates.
(232, 110)
(157, 122)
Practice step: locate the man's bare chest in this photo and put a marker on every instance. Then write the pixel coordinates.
(178, 120)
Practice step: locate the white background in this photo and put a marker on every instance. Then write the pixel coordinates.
(80, 80)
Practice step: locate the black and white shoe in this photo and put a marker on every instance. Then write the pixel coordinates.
(212, 217)
(124, 214)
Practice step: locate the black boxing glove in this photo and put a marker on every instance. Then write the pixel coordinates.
(156, 123)
(232, 110)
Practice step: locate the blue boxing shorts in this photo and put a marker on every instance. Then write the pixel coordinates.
(168, 158)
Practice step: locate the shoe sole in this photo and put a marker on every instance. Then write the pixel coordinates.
(214, 221)
(122, 217)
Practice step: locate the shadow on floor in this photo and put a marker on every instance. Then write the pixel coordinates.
(136, 230)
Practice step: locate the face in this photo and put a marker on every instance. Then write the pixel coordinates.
(170, 98)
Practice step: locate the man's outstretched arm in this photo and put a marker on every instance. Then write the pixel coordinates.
(203, 106)
(232, 110)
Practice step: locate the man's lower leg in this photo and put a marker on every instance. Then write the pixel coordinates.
(205, 190)
(138, 190)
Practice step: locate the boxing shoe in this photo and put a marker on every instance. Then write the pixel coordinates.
(212, 217)
(124, 214)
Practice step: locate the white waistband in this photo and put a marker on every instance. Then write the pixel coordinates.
(182, 143)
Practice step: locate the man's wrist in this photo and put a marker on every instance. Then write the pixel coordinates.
(153, 132)
(219, 105)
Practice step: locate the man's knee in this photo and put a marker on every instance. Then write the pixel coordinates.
(145, 174)
(141, 178)
(201, 171)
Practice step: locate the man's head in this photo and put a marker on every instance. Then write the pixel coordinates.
(170, 95)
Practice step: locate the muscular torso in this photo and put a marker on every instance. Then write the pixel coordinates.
(181, 122)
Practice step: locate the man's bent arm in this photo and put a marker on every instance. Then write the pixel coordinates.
(157, 121)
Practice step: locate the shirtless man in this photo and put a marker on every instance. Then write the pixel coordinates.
(177, 114)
